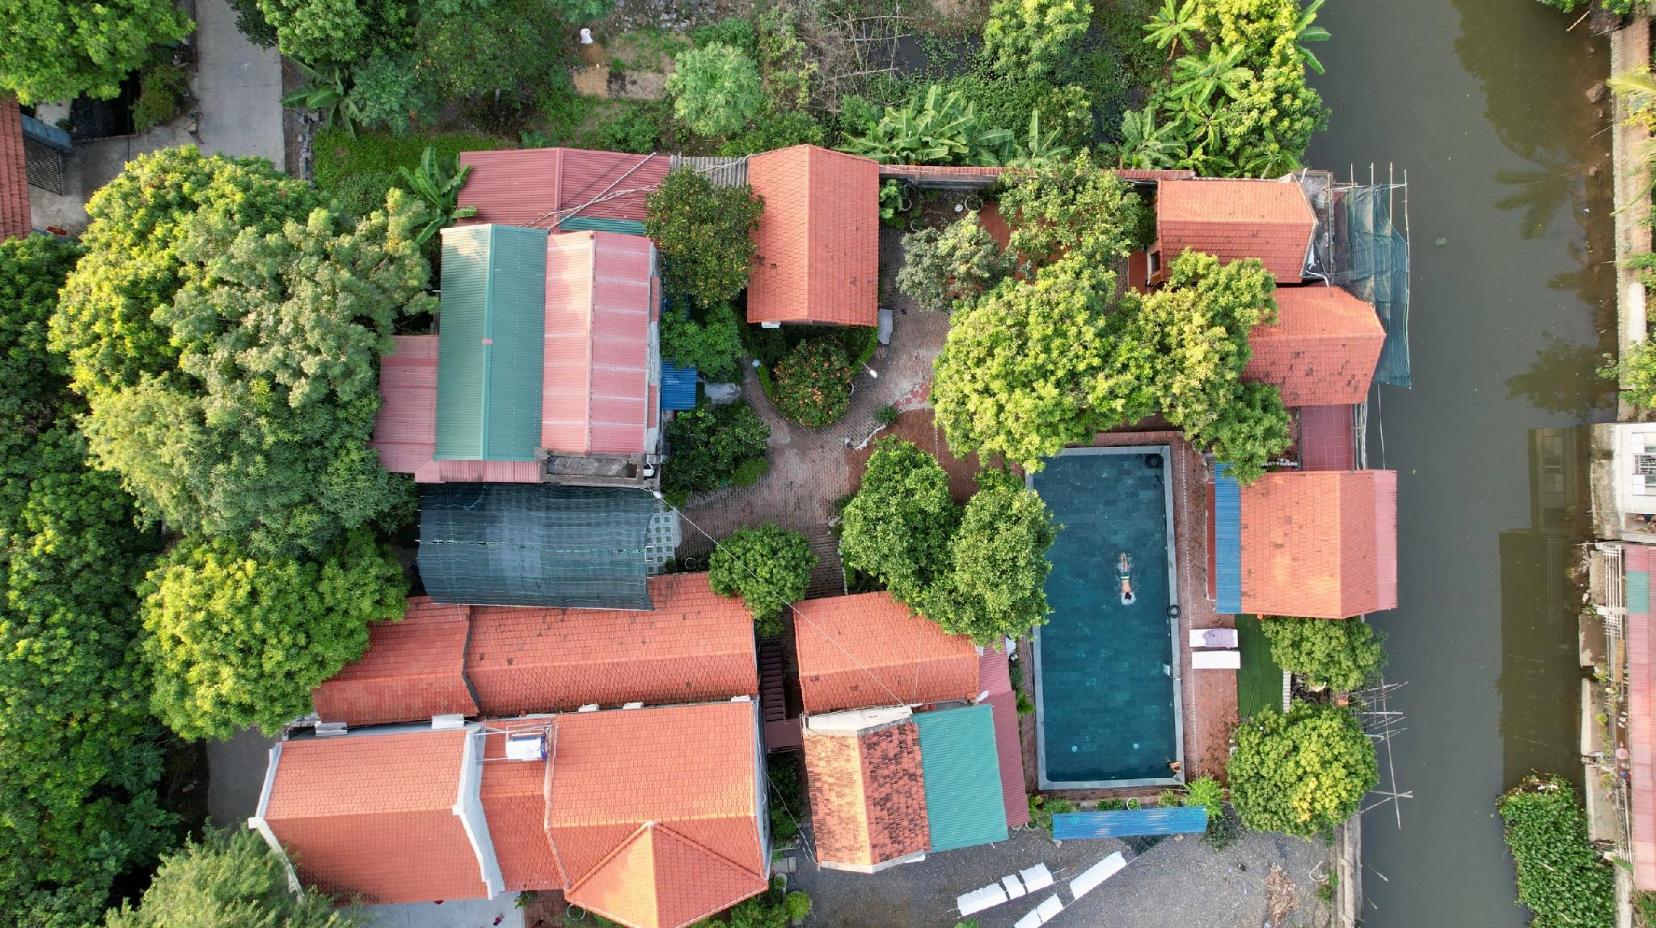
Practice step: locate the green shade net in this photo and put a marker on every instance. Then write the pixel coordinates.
(524, 544)
(1371, 261)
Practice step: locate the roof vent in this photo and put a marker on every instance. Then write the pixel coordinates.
(448, 722)
(528, 745)
(589, 707)
(330, 729)
(633, 705)
(742, 698)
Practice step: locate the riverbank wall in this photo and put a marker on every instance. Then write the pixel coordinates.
(1630, 155)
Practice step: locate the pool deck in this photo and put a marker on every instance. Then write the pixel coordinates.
(1208, 697)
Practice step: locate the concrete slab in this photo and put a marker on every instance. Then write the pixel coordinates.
(235, 775)
(238, 87)
(461, 913)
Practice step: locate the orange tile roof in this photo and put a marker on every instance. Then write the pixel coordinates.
(694, 646)
(1322, 348)
(15, 216)
(514, 804)
(1231, 219)
(868, 650)
(413, 669)
(1320, 544)
(655, 813)
(868, 794)
(372, 816)
(818, 240)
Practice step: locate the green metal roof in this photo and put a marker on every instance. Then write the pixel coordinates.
(964, 806)
(490, 343)
(601, 224)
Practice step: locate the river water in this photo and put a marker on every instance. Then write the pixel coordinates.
(1484, 103)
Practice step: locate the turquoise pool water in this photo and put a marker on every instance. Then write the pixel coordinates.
(1106, 690)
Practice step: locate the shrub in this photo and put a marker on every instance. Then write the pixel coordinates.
(704, 233)
(1207, 793)
(787, 795)
(715, 89)
(162, 90)
(502, 51)
(1008, 103)
(1301, 773)
(886, 415)
(768, 567)
(898, 526)
(707, 445)
(1043, 808)
(942, 268)
(773, 129)
(387, 93)
(1069, 206)
(1561, 879)
(1636, 372)
(712, 345)
(1338, 655)
(813, 383)
(631, 126)
(1033, 37)
(229, 878)
(735, 31)
(358, 171)
(236, 640)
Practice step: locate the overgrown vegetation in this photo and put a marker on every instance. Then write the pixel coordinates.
(1561, 879)
(715, 89)
(1301, 773)
(704, 233)
(955, 265)
(768, 567)
(1337, 655)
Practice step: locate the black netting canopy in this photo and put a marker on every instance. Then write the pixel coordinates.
(524, 544)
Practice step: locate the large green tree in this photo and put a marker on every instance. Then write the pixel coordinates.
(230, 879)
(60, 49)
(1017, 368)
(236, 640)
(1301, 773)
(79, 753)
(768, 567)
(995, 585)
(705, 234)
(1064, 207)
(715, 89)
(1340, 655)
(255, 395)
(945, 268)
(898, 526)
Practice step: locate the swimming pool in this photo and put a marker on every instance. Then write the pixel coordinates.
(1107, 709)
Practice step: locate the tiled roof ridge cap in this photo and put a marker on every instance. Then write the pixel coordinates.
(647, 827)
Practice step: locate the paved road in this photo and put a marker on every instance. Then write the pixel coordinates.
(238, 86)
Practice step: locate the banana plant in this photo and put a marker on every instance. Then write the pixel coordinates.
(327, 95)
(936, 128)
(1144, 144)
(1306, 31)
(437, 183)
(1218, 72)
(1037, 146)
(1173, 26)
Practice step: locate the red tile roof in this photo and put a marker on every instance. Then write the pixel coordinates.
(1641, 721)
(867, 793)
(995, 673)
(655, 813)
(818, 241)
(695, 645)
(868, 650)
(1322, 348)
(1327, 438)
(1320, 544)
(15, 217)
(600, 342)
(528, 187)
(413, 669)
(372, 816)
(1231, 219)
(514, 804)
(405, 428)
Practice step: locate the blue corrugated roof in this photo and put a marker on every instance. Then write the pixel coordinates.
(1127, 823)
(678, 387)
(1638, 592)
(1227, 544)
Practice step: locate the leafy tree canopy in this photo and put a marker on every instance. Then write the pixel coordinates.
(704, 233)
(1033, 37)
(715, 89)
(898, 526)
(257, 430)
(1301, 773)
(1561, 879)
(768, 567)
(946, 267)
(996, 582)
(231, 879)
(33, 380)
(1016, 370)
(712, 345)
(1074, 206)
(236, 640)
(59, 49)
(813, 383)
(713, 446)
(1341, 655)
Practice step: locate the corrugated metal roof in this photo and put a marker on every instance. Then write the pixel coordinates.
(539, 186)
(15, 217)
(1641, 711)
(602, 358)
(601, 224)
(1638, 591)
(995, 675)
(1227, 544)
(678, 387)
(964, 806)
(1130, 823)
(489, 357)
(503, 544)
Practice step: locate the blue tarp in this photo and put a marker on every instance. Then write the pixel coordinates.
(1129, 823)
(678, 387)
(1227, 544)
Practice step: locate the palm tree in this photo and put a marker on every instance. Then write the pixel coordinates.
(1172, 26)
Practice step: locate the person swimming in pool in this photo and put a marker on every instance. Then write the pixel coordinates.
(1124, 571)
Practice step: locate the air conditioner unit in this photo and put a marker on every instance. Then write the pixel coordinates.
(529, 745)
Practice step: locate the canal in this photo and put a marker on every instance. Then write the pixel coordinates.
(1485, 103)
